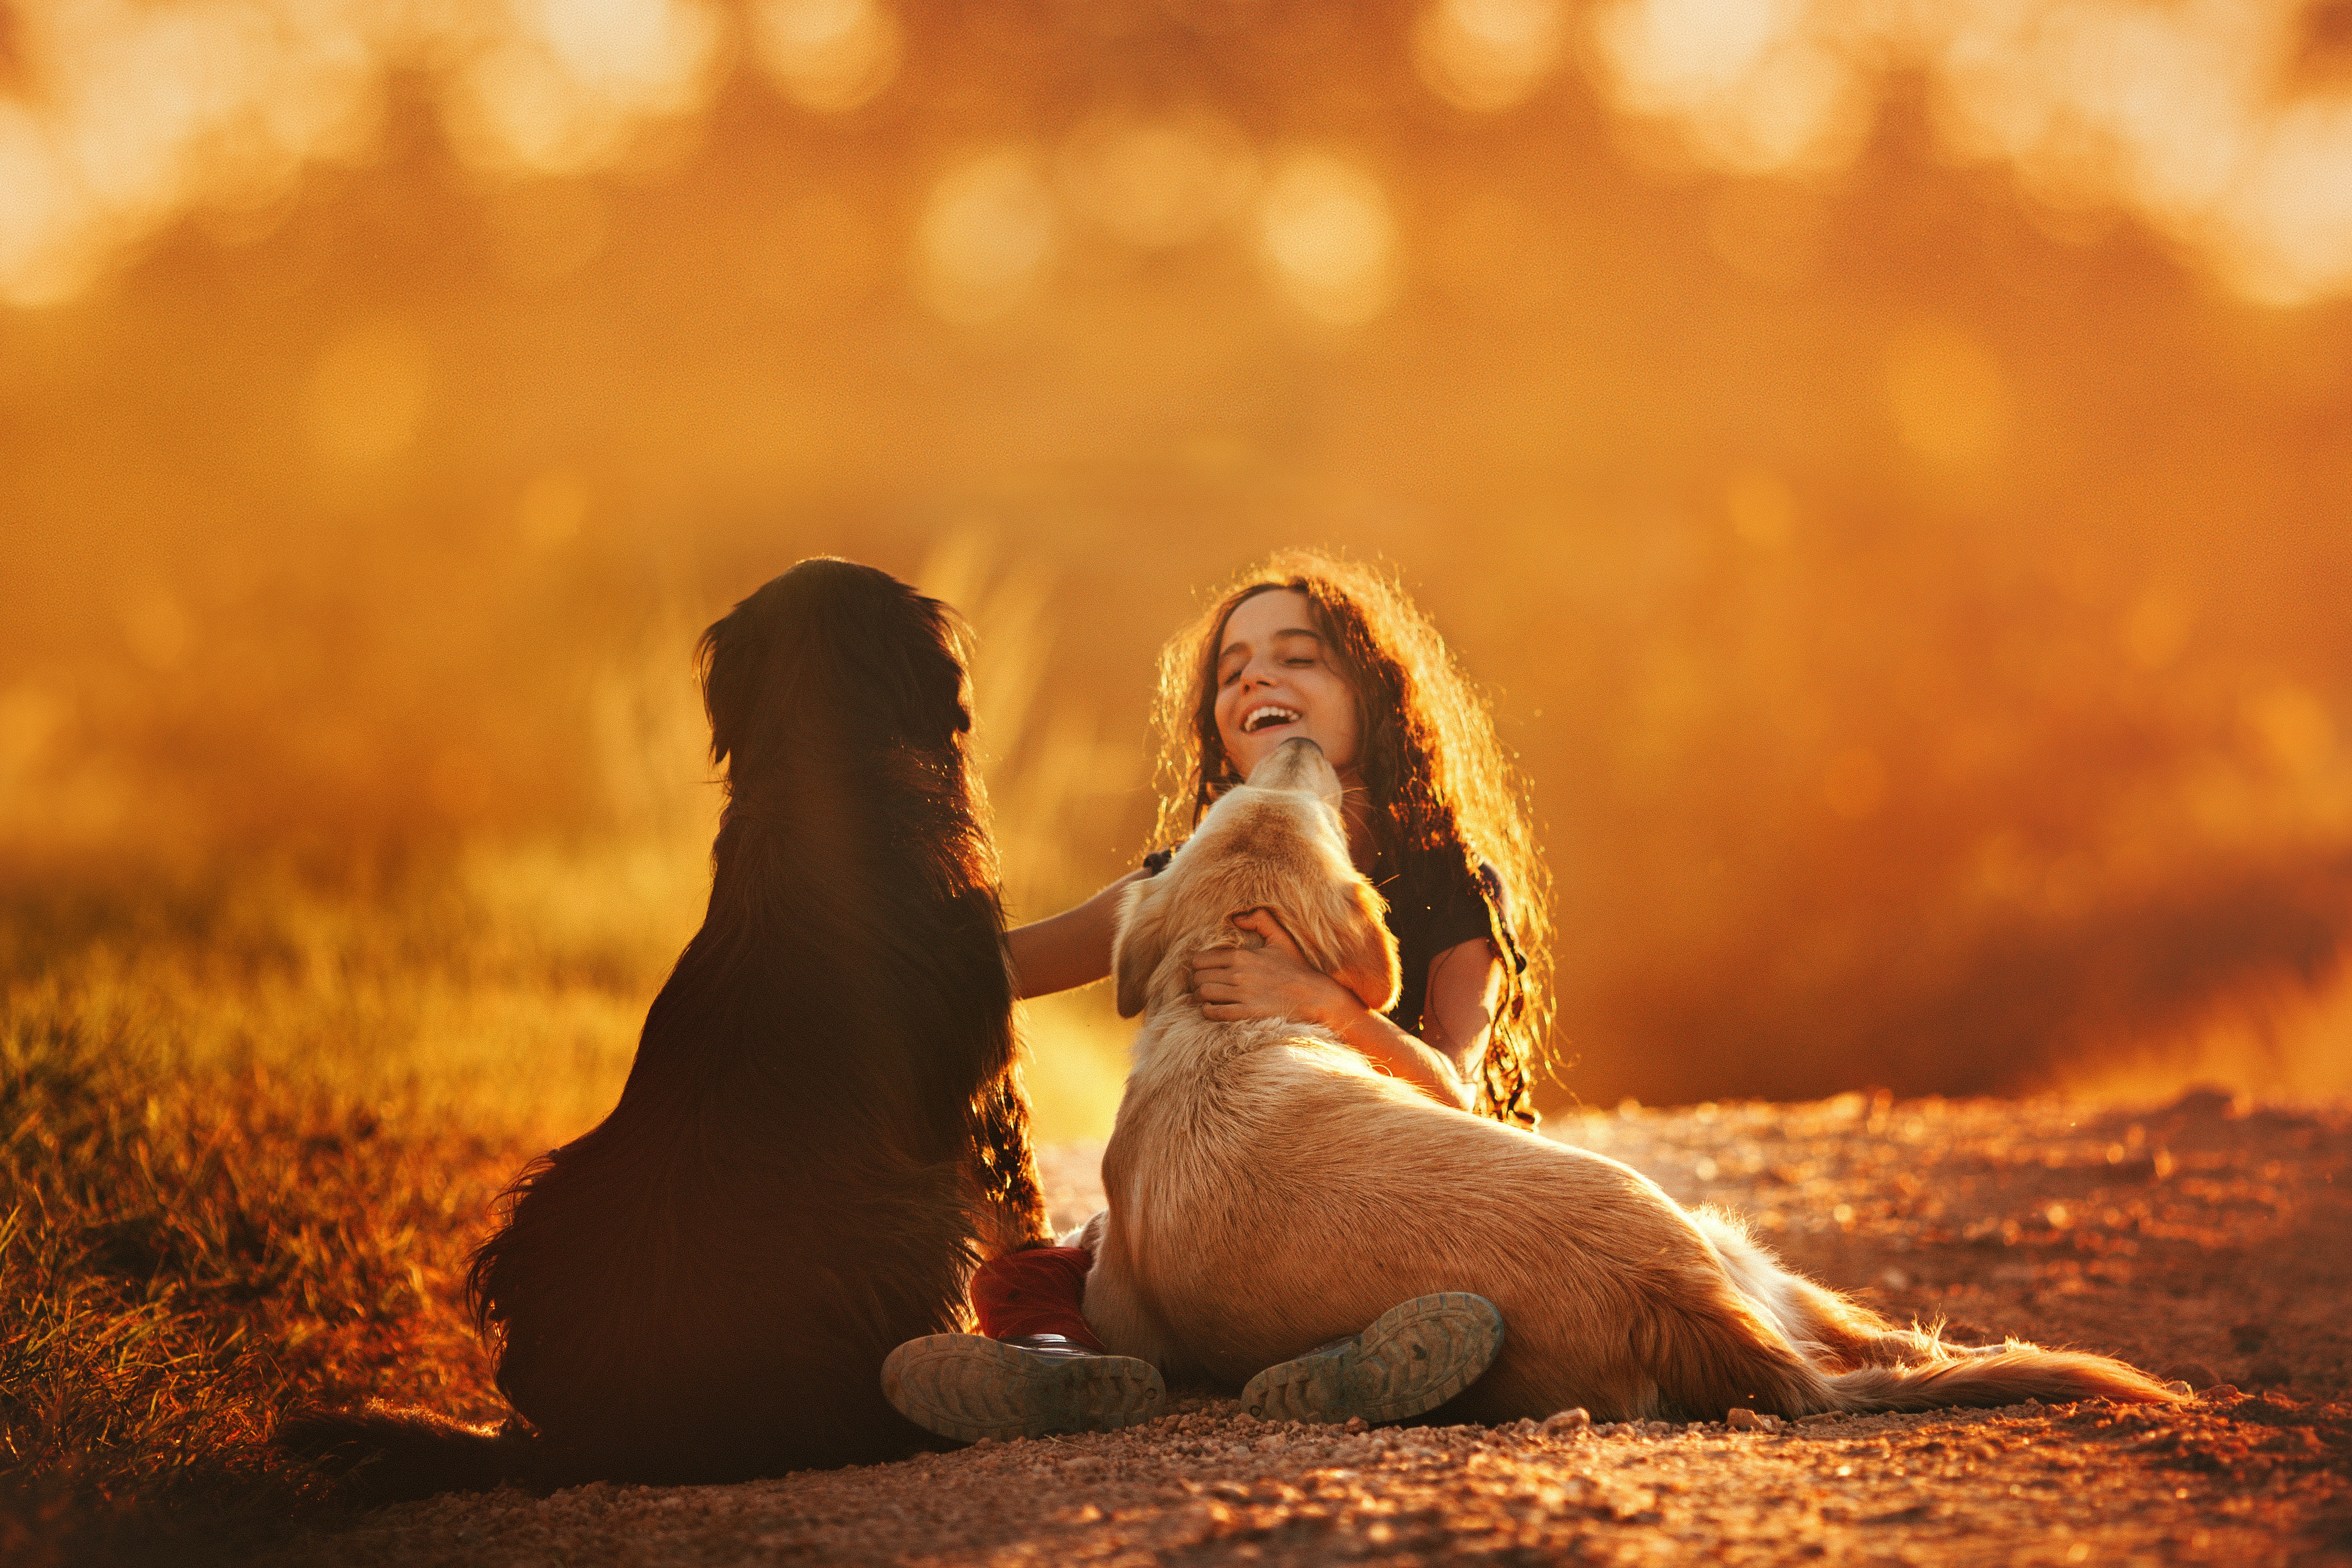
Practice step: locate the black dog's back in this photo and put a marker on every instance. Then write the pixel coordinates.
(820, 1134)
(704, 1287)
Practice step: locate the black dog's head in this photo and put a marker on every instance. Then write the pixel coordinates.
(831, 659)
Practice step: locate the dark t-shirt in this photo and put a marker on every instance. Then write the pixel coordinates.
(1425, 921)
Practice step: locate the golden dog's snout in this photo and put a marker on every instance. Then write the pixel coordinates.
(1298, 764)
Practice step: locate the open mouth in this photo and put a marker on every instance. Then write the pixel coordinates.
(1267, 717)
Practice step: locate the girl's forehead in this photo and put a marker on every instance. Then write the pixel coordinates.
(1282, 612)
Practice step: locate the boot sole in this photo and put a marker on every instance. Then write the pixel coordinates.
(1411, 1360)
(967, 1387)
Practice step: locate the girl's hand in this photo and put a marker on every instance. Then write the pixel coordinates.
(1274, 982)
(1269, 982)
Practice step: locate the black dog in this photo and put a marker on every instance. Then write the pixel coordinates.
(821, 1133)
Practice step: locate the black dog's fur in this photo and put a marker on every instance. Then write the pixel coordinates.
(822, 1133)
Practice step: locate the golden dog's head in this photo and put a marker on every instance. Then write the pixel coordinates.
(1276, 844)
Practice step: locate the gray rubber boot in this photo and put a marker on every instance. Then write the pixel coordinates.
(1411, 1360)
(967, 1386)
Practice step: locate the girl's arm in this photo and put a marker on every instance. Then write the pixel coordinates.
(1465, 981)
(1274, 982)
(1066, 950)
(1398, 1054)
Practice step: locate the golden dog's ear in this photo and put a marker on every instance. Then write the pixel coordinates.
(1140, 943)
(1351, 942)
(1368, 953)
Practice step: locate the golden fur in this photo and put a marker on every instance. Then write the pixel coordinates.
(1270, 1191)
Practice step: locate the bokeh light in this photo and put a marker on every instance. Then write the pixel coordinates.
(563, 84)
(1159, 183)
(826, 55)
(988, 234)
(1754, 86)
(1325, 224)
(2226, 125)
(1488, 55)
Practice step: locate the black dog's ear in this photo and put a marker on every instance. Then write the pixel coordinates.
(1141, 943)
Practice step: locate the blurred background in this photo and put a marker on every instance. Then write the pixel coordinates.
(1889, 463)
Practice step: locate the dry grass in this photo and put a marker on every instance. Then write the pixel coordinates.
(189, 1258)
(251, 1131)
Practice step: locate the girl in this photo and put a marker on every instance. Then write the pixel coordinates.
(1335, 653)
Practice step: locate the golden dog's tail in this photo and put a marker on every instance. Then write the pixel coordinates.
(2010, 1374)
(1776, 1341)
(1707, 1359)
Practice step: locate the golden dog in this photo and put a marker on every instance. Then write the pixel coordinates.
(1270, 1191)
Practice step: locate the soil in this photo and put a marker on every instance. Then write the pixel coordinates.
(2207, 1241)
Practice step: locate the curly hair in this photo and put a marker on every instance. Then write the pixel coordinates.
(1443, 795)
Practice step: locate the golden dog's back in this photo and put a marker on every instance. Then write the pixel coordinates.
(1285, 1195)
(1282, 1195)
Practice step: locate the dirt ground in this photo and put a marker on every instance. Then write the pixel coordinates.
(2205, 1241)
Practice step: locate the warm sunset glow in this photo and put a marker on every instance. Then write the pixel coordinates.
(1884, 468)
(987, 235)
(1156, 183)
(1325, 224)
(1752, 87)
(1488, 55)
(1888, 464)
(826, 55)
(2226, 125)
(368, 395)
(1946, 393)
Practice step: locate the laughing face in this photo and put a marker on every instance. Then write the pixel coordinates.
(1277, 681)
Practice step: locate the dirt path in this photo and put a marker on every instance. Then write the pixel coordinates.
(2197, 1241)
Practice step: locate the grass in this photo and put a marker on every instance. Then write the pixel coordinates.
(249, 1130)
(189, 1256)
